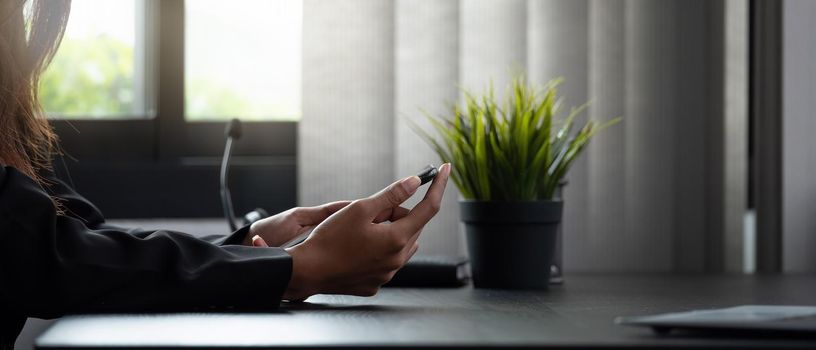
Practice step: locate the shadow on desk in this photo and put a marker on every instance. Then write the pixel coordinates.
(295, 307)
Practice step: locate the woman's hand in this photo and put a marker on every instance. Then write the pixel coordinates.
(354, 251)
(283, 227)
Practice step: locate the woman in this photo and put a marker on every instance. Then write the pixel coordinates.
(58, 256)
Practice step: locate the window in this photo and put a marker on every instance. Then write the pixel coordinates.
(242, 59)
(95, 73)
(147, 87)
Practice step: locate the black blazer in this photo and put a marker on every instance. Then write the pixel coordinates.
(51, 264)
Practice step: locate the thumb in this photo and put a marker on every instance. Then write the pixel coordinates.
(393, 195)
(257, 241)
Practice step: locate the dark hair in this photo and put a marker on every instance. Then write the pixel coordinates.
(30, 33)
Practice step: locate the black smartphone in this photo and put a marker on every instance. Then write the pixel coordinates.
(427, 174)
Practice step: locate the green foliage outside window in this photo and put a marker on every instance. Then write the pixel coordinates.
(208, 101)
(94, 78)
(90, 78)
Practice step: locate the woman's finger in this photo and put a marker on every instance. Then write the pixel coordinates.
(392, 214)
(398, 213)
(315, 215)
(390, 197)
(257, 241)
(425, 210)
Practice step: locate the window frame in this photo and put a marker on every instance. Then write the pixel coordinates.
(165, 140)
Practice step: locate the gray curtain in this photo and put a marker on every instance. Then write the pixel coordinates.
(798, 144)
(650, 194)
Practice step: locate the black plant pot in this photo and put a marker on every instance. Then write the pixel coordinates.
(511, 244)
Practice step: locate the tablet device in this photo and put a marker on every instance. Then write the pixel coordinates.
(754, 318)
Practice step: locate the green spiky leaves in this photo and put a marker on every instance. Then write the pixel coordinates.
(518, 151)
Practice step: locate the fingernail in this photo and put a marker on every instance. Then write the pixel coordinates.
(255, 239)
(410, 184)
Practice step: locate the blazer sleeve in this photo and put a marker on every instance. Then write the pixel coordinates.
(54, 264)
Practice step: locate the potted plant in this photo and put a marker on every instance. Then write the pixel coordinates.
(508, 161)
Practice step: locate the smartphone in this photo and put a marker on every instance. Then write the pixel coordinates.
(425, 175)
(298, 240)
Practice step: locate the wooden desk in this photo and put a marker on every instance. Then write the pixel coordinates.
(577, 314)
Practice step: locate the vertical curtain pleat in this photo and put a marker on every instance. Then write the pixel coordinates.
(345, 141)
(427, 71)
(649, 87)
(697, 152)
(493, 38)
(606, 153)
(738, 249)
(798, 125)
(557, 47)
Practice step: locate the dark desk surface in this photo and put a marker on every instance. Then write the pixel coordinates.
(579, 313)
